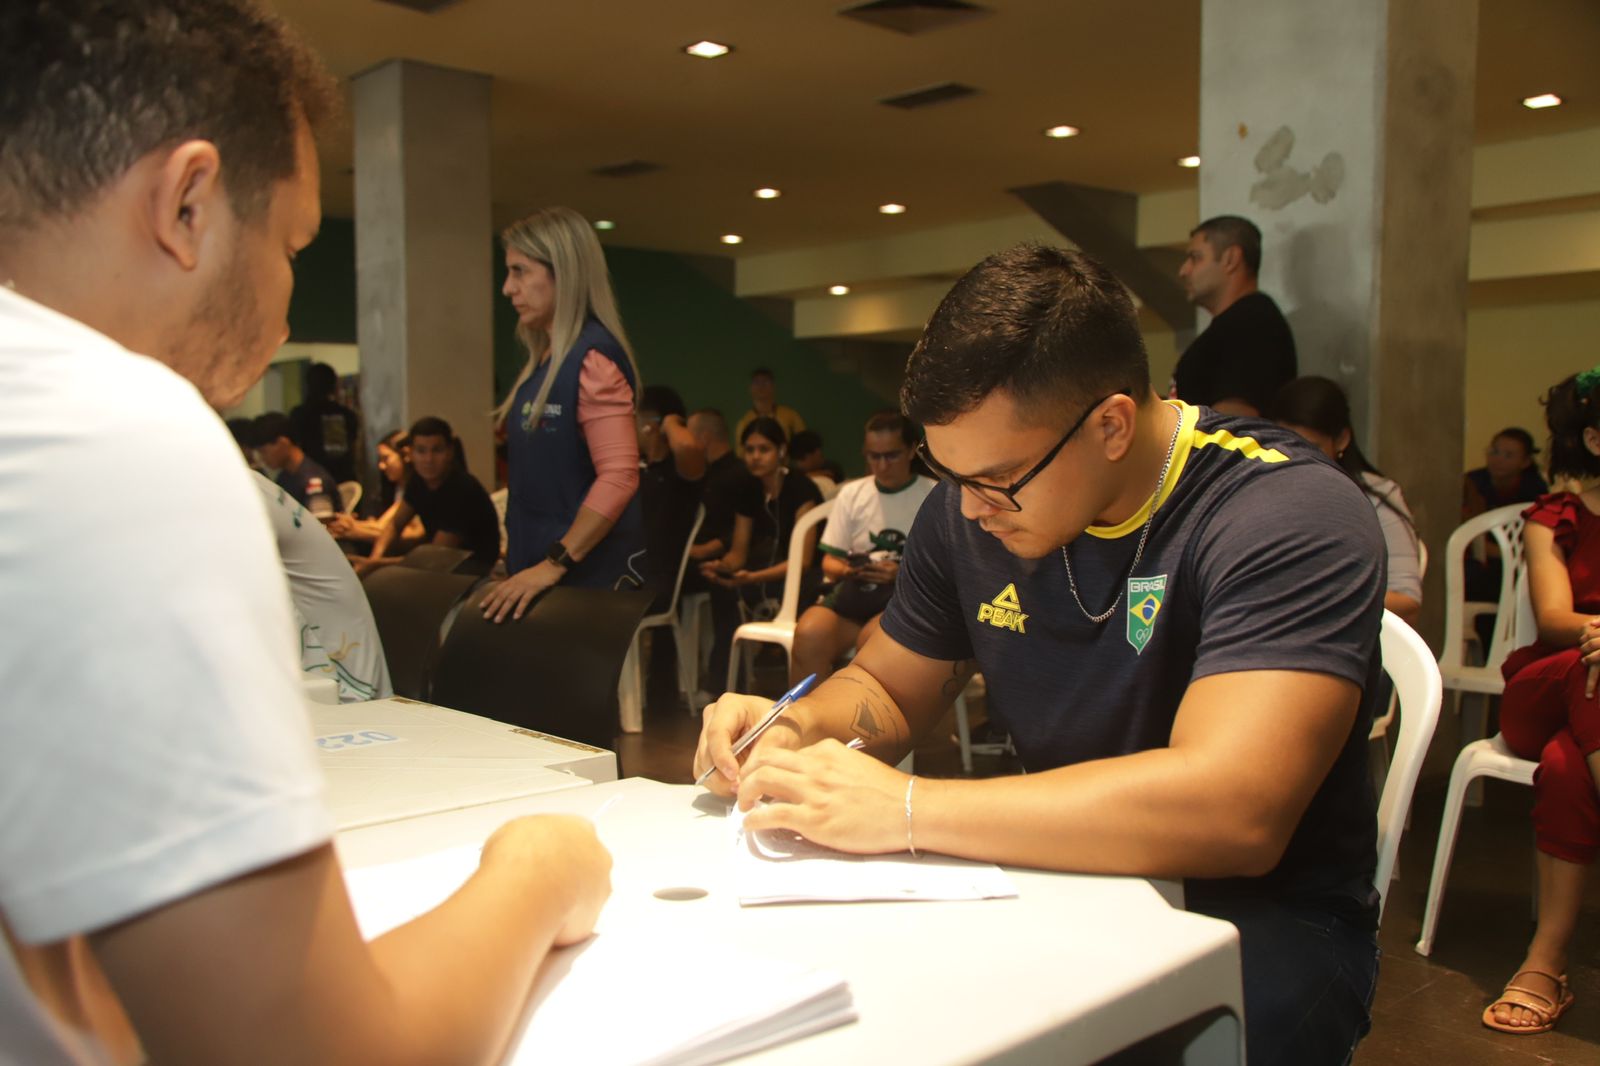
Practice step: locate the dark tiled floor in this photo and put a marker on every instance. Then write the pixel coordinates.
(1427, 1009)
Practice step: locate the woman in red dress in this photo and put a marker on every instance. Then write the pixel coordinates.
(1551, 711)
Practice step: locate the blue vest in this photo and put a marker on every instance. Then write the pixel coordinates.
(551, 472)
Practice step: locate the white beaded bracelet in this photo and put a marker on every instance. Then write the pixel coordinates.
(912, 848)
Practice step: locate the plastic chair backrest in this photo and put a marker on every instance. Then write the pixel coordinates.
(409, 607)
(683, 560)
(1504, 524)
(789, 609)
(350, 495)
(1410, 665)
(554, 670)
(1527, 626)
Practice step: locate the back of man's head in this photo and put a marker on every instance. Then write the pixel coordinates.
(93, 86)
(322, 381)
(708, 424)
(661, 400)
(271, 426)
(1231, 231)
(896, 423)
(1052, 328)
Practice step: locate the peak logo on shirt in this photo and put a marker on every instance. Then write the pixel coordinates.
(1144, 604)
(1004, 612)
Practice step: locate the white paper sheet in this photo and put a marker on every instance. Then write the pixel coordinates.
(621, 998)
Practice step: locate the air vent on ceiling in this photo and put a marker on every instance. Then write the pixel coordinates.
(631, 169)
(933, 94)
(914, 16)
(427, 7)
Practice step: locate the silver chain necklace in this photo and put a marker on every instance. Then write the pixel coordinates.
(1144, 535)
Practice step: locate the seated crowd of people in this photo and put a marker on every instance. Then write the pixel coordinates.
(1188, 699)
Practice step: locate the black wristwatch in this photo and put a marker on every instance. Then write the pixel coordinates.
(558, 554)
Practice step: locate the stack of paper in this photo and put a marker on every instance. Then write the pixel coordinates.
(777, 866)
(621, 998)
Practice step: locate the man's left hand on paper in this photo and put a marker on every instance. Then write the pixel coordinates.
(828, 793)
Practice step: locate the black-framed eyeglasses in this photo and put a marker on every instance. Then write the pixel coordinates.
(1005, 497)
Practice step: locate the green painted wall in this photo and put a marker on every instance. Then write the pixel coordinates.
(688, 331)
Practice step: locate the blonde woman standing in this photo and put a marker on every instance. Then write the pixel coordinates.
(573, 515)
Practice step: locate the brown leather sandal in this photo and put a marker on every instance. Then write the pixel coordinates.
(1547, 1012)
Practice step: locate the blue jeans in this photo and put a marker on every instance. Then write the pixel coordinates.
(1309, 978)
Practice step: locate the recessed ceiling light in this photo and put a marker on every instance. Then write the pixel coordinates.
(891, 209)
(604, 224)
(1060, 132)
(708, 49)
(1542, 100)
(732, 238)
(768, 193)
(1189, 162)
(838, 290)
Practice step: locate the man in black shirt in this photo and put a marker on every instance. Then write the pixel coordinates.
(1177, 615)
(454, 509)
(326, 428)
(1247, 353)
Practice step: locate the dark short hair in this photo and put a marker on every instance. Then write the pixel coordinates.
(805, 442)
(895, 422)
(1049, 326)
(1569, 409)
(432, 426)
(1231, 231)
(662, 399)
(244, 432)
(714, 421)
(1521, 436)
(93, 86)
(762, 372)
(769, 428)
(272, 425)
(321, 380)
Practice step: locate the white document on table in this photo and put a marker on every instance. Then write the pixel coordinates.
(777, 866)
(627, 997)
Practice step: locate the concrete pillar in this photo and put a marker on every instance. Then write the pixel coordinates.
(1345, 132)
(424, 279)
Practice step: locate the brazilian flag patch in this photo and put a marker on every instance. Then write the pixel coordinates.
(1144, 605)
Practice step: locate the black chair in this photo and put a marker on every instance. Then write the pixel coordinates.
(410, 606)
(555, 670)
(436, 557)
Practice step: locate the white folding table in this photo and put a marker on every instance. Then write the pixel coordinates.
(1074, 969)
(397, 758)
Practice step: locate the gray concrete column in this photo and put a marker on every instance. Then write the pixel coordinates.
(424, 278)
(1345, 132)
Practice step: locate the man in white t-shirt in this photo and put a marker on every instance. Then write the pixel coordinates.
(337, 634)
(861, 546)
(168, 889)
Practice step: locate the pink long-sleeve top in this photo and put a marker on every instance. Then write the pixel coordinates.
(605, 418)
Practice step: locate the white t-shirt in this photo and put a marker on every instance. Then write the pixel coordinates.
(333, 620)
(153, 736)
(870, 520)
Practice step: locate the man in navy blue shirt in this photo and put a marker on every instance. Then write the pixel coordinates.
(278, 445)
(1177, 615)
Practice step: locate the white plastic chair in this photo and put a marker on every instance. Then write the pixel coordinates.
(1504, 524)
(630, 692)
(1410, 665)
(1481, 758)
(695, 613)
(781, 629)
(350, 495)
(1380, 725)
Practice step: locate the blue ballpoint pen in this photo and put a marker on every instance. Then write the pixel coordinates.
(761, 727)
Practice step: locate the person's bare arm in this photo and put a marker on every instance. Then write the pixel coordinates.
(836, 567)
(1551, 588)
(270, 967)
(688, 454)
(1222, 799)
(513, 595)
(394, 520)
(1406, 607)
